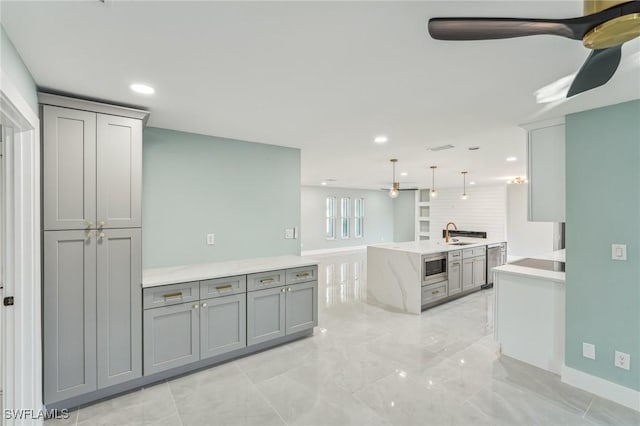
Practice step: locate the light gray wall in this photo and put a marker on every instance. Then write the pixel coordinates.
(378, 217)
(245, 193)
(404, 216)
(16, 70)
(525, 238)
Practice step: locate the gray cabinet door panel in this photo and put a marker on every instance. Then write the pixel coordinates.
(301, 307)
(479, 271)
(119, 277)
(171, 337)
(467, 274)
(265, 315)
(455, 277)
(69, 301)
(223, 325)
(119, 171)
(69, 173)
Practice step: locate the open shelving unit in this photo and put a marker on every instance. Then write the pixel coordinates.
(423, 214)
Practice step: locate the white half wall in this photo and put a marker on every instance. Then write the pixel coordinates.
(484, 210)
(378, 218)
(525, 238)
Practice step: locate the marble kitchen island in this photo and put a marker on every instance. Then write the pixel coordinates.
(395, 272)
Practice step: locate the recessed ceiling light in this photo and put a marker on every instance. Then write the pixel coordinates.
(512, 158)
(381, 139)
(473, 182)
(142, 88)
(324, 184)
(404, 174)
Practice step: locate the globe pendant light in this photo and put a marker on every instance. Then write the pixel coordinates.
(464, 185)
(433, 181)
(395, 188)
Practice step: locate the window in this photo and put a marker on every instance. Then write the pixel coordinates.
(330, 226)
(358, 210)
(345, 216)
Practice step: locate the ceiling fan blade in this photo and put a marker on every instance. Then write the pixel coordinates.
(499, 28)
(599, 67)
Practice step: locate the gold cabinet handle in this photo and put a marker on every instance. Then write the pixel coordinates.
(302, 275)
(88, 223)
(101, 235)
(224, 287)
(288, 288)
(283, 290)
(101, 224)
(196, 306)
(89, 235)
(435, 292)
(204, 305)
(266, 280)
(172, 295)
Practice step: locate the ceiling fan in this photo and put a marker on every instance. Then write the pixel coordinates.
(607, 24)
(395, 189)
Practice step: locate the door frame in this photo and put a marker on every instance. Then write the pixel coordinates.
(21, 256)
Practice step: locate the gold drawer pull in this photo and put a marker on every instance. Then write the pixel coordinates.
(266, 280)
(224, 287)
(171, 295)
(302, 275)
(435, 292)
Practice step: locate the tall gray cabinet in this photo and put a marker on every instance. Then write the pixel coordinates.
(92, 264)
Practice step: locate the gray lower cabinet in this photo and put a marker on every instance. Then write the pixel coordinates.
(301, 307)
(455, 277)
(266, 314)
(119, 307)
(479, 271)
(467, 274)
(69, 302)
(223, 325)
(171, 337)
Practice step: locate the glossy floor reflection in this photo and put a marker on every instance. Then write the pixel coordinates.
(367, 366)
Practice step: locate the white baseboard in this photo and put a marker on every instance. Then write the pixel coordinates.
(612, 391)
(330, 251)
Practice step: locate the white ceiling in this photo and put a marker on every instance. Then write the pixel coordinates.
(325, 77)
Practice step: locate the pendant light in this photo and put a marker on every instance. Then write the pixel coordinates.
(395, 188)
(433, 181)
(464, 185)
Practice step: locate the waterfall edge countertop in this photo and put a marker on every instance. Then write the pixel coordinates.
(205, 271)
(555, 276)
(435, 246)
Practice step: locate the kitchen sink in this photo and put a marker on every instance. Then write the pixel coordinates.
(459, 244)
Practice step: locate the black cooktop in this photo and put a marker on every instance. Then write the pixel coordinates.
(548, 265)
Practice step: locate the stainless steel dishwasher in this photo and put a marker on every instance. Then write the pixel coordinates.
(495, 257)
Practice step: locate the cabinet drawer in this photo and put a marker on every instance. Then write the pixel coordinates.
(172, 294)
(300, 275)
(223, 286)
(264, 280)
(473, 252)
(454, 255)
(433, 293)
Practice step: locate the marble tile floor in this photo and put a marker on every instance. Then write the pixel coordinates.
(367, 366)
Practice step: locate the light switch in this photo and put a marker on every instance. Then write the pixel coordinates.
(619, 251)
(588, 350)
(211, 239)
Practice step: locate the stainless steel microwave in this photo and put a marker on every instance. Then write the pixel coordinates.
(434, 268)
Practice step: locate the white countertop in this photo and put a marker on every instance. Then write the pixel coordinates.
(558, 256)
(434, 246)
(205, 271)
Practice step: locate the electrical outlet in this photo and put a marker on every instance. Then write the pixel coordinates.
(622, 360)
(211, 239)
(289, 233)
(618, 251)
(588, 350)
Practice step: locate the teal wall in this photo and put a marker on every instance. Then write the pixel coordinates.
(16, 70)
(244, 193)
(603, 207)
(404, 217)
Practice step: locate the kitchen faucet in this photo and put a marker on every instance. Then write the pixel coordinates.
(446, 234)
